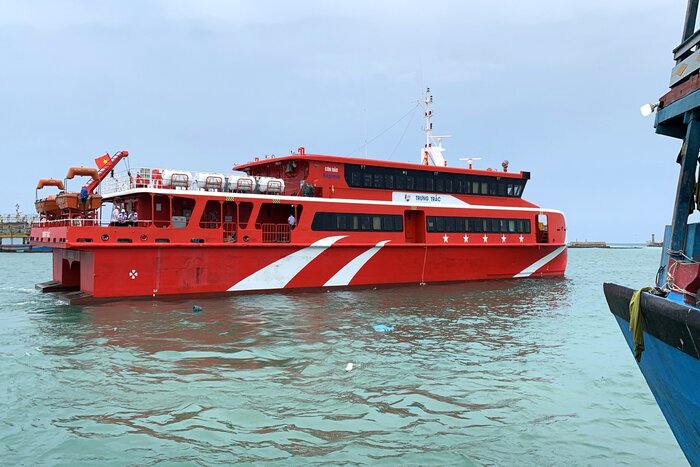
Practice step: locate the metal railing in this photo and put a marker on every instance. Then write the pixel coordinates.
(275, 233)
(228, 229)
(18, 218)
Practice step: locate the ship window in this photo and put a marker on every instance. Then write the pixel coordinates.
(387, 178)
(276, 213)
(440, 224)
(501, 189)
(342, 222)
(439, 185)
(182, 211)
(392, 223)
(330, 221)
(365, 223)
(211, 216)
(477, 224)
(400, 182)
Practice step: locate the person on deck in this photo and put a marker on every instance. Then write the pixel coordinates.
(115, 216)
(292, 221)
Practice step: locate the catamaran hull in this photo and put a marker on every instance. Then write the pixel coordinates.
(156, 271)
(670, 362)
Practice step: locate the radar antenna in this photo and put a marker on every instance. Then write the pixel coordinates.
(470, 160)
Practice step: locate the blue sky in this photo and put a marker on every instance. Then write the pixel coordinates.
(553, 86)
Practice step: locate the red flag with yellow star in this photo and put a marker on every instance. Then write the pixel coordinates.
(102, 161)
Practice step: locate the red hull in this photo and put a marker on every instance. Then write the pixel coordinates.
(335, 222)
(160, 271)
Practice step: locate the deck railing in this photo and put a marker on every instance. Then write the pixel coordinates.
(275, 233)
(228, 229)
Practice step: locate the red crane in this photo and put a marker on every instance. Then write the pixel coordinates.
(106, 167)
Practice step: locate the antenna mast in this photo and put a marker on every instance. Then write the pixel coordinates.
(431, 152)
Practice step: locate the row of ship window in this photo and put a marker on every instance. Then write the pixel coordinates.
(477, 224)
(433, 182)
(332, 221)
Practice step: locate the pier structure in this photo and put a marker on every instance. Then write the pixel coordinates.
(15, 229)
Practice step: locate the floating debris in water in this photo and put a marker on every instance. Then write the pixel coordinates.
(383, 328)
(196, 308)
(348, 367)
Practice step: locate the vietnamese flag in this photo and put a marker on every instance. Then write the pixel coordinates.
(102, 161)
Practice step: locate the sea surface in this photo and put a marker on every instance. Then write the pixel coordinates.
(527, 372)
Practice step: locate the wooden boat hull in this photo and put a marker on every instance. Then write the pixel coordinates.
(670, 362)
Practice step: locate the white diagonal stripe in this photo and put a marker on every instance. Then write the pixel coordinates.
(527, 272)
(345, 275)
(278, 274)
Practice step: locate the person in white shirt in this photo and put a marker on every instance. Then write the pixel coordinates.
(115, 216)
(292, 220)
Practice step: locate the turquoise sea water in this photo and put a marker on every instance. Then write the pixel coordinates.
(529, 372)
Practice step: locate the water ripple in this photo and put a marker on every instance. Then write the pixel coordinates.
(489, 373)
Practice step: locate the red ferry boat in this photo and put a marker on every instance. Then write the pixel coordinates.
(302, 221)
